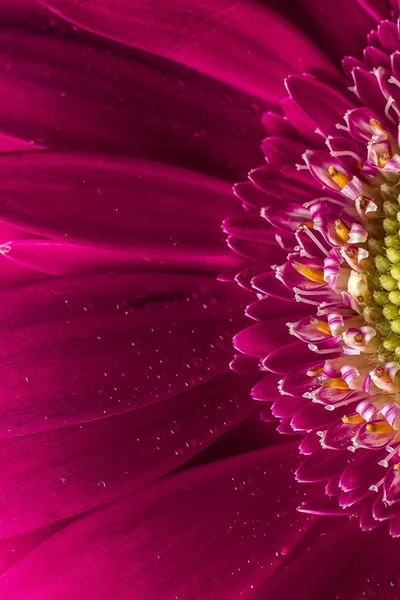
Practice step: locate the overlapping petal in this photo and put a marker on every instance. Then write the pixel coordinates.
(15, 548)
(148, 208)
(68, 471)
(357, 570)
(81, 348)
(63, 91)
(339, 28)
(216, 531)
(238, 43)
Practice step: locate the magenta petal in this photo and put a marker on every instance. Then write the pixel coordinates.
(245, 277)
(363, 471)
(347, 564)
(285, 215)
(297, 383)
(359, 124)
(257, 252)
(389, 36)
(395, 59)
(13, 549)
(231, 42)
(375, 58)
(338, 27)
(372, 441)
(395, 527)
(275, 125)
(249, 195)
(322, 465)
(348, 64)
(378, 9)
(12, 274)
(355, 498)
(146, 207)
(312, 416)
(286, 406)
(285, 358)
(285, 426)
(318, 163)
(319, 101)
(229, 275)
(310, 443)
(245, 365)
(367, 520)
(339, 435)
(388, 88)
(302, 122)
(64, 93)
(369, 92)
(262, 338)
(373, 39)
(270, 285)
(391, 485)
(212, 529)
(270, 308)
(250, 227)
(284, 183)
(322, 506)
(266, 390)
(57, 258)
(266, 416)
(382, 511)
(111, 351)
(16, 11)
(332, 486)
(13, 144)
(57, 474)
(281, 151)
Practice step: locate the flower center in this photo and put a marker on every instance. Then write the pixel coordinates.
(352, 278)
(343, 268)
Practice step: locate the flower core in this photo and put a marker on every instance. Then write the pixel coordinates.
(331, 194)
(347, 266)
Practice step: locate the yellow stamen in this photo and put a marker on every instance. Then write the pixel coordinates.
(383, 159)
(359, 338)
(340, 178)
(315, 373)
(396, 467)
(381, 427)
(309, 272)
(342, 231)
(381, 374)
(335, 383)
(353, 419)
(363, 203)
(376, 126)
(321, 326)
(352, 253)
(309, 224)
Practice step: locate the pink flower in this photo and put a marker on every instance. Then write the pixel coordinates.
(117, 322)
